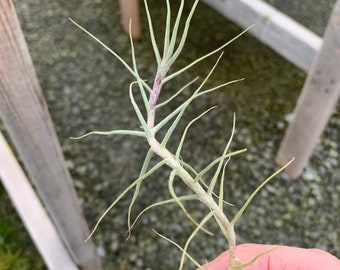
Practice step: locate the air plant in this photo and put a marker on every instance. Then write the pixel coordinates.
(202, 190)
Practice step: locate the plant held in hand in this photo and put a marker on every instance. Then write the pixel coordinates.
(202, 191)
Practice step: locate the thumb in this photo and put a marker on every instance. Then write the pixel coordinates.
(282, 257)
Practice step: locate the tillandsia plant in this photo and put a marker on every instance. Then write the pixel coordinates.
(202, 190)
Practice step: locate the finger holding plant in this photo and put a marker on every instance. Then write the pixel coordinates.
(202, 190)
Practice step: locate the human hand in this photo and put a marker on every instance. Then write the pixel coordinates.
(279, 258)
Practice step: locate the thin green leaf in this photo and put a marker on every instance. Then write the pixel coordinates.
(172, 44)
(224, 231)
(138, 112)
(218, 87)
(170, 116)
(208, 76)
(112, 132)
(244, 207)
(213, 163)
(180, 248)
(139, 80)
(252, 261)
(152, 35)
(121, 195)
(220, 197)
(191, 237)
(181, 198)
(106, 47)
(186, 104)
(167, 29)
(133, 55)
(179, 148)
(191, 169)
(173, 75)
(219, 167)
(110, 51)
(175, 197)
(137, 188)
(176, 94)
(184, 35)
(175, 123)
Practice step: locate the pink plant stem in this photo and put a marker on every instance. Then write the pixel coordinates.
(156, 89)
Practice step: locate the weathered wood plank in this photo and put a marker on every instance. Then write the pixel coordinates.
(24, 111)
(288, 38)
(317, 100)
(130, 11)
(32, 212)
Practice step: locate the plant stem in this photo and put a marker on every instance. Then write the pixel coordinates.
(156, 89)
(174, 164)
(220, 217)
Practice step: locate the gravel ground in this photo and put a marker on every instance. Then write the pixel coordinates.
(86, 89)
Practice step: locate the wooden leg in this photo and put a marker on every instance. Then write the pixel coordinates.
(317, 101)
(24, 112)
(32, 212)
(130, 11)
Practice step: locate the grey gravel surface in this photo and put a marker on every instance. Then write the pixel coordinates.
(86, 89)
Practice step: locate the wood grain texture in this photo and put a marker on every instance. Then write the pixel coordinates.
(317, 101)
(285, 36)
(32, 212)
(130, 11)
(24, 111)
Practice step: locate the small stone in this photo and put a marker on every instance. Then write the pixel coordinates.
(81, 170)
(101, 251)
